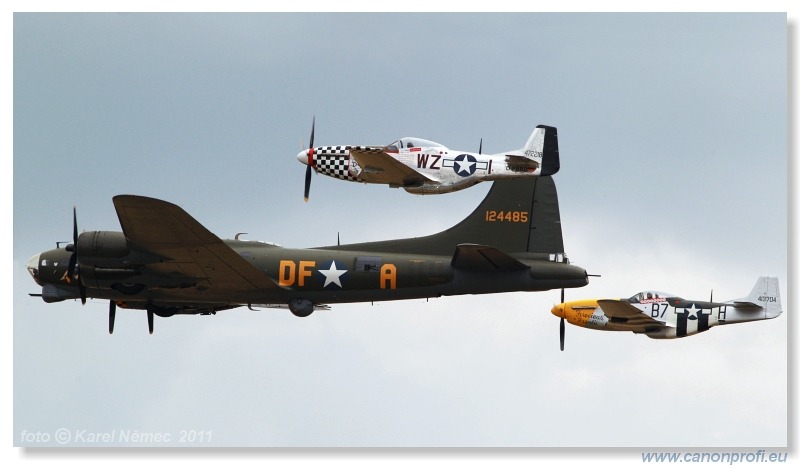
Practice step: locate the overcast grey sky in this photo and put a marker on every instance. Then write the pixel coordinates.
(673, 139)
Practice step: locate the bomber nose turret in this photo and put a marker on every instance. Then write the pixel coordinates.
(33, 268)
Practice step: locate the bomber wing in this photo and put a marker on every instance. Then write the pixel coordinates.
(189, 249)
(619, 311)
(381, 167)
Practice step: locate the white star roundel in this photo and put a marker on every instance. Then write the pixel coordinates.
(333, 275)
(465, 165)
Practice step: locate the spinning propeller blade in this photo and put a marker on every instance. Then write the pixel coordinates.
(308, 183)
(310, 153)
(112, 313)
(562, 326)
(72, 268)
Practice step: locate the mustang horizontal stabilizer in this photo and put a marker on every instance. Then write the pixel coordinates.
(765, 296)
(190, 250)
(480, 258)
(541, 149)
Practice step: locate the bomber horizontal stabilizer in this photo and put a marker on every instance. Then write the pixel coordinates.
(477, 257)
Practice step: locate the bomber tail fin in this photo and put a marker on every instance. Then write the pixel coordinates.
(517, 216)
(765, 295)
(541, 147)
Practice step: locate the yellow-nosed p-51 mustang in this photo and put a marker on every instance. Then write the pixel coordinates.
(424, 167)
(665, 316)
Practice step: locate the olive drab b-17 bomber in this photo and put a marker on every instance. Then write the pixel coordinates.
(165, 262)
(661, 315)
(424, 167)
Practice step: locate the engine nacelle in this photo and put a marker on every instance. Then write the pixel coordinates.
(109, 249)
(106, 278)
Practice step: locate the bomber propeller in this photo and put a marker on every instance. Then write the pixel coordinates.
(73, 272)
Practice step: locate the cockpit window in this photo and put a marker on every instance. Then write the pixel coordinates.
(407, 143)
(650, 297)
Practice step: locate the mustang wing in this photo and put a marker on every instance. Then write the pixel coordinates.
(624, 312)
(481, 258)
(381, 167)
(189, 250)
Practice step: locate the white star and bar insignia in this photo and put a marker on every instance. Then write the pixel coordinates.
(333, 275)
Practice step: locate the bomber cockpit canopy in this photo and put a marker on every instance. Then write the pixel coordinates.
(650, 296)
(408, 143)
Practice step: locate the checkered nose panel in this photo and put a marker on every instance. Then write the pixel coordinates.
(334, 162)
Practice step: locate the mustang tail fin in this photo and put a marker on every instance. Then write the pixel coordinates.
(516, 216)
(766, 295)
(541, 147)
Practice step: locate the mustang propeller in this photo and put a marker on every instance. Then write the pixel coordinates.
(310, 161)
(112, 313)
(562, 326)
(563, 314)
